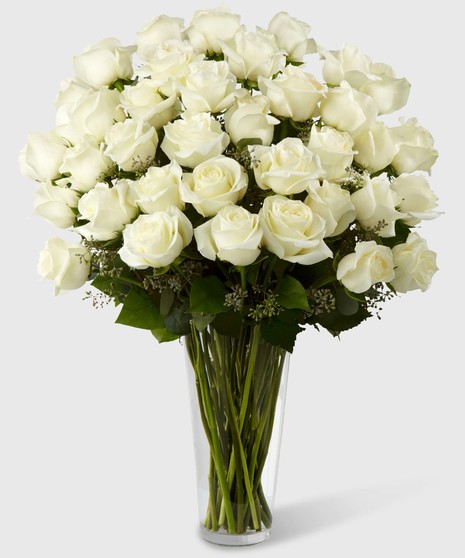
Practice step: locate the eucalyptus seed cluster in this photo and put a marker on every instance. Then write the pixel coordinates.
(235, 299)
(320, 301)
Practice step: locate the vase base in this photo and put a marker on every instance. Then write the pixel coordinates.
(227, 539)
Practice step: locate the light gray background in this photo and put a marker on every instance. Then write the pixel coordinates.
(96, 457)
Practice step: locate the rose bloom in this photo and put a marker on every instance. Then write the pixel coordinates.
(293, 94)
(210, 27)
(86, 162)
(414, 265)
(144, 102)
(253, 54)
(292, 36)
(213, 184)
(292, 231)
(158, 30)
(159, 188)
(131, 144)
(107, 210)
(333, 204)
(417, 199)
(194, 139)
(156, 240)
(233, 235)
(374, 148)
(286, 168)
(334, 150)
(41, 158)
(415, 147)
(67, 264)
(55, 204)
(249, 117)
(371, 263)
(104, 62)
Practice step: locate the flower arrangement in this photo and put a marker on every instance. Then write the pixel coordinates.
(221, 193)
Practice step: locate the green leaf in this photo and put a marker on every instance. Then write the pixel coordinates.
(280, 333)
(163, 335)
(228, 324)
(166, 301)
(178, 321)
(335, 322)
(244, 142)
(345, 304)
(290, 293)
(139, 310)
(207, 296)
(201, 321)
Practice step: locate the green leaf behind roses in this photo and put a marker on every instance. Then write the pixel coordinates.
(178, 320)
(163, 335)
(139, 310)
(290, 293)
(207, 296)
(282, 330)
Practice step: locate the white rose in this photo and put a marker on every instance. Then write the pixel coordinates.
(375, 204)
(41, 158)
(292, 36)
(156, 240)
(208, 86)
(417, 199)
(65, 263)
(169, 63)
(104, 62)
(194, 139)
(107, 210)
(213, 184)
(348, 110)
(334, 149)
(71, 91)
(371, 263)
(333, 204)
(209, 28)
(249, 118)
(55, 204)
(144, 102)
(95, 113)
(374, 79)
(414, 265)
(159, 188)
(233, 235)
(131, 144)
(292, 231)
(415, 147)
(286, 168)
(158, 30)
(87, 163)
(293, 94)
(374, 148)
(253, 54)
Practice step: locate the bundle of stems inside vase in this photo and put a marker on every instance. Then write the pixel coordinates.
(237, 381)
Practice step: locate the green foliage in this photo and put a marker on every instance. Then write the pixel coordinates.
(282, 330)
(140, 310)
(290, 293)
(207, 296)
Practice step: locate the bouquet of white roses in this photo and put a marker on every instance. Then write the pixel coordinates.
(221, 193)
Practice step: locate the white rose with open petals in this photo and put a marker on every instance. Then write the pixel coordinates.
(158, 30)
(414, 265)
(194, 139)
(286, 168)
(208, 86)
(87, 163)
(156, 240)
(159, 188)
(67, 264)
(292, 231)
(233, 235)
(333, 204)
(104, 62)
(292, 36)
(107, 210)
(41, 158)
(334, 150)
(348, 110)
(131, 144)
(71, 91)
(371, 263)
(209, 28)
(293, 94)
(144, 102)
(253, 54)
(213, 184)
(375, 204)
(417, 199)
(249, 117)
(55, 204)
(374, 148)
(415, 147)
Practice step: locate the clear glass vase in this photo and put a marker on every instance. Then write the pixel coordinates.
(237, 390)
